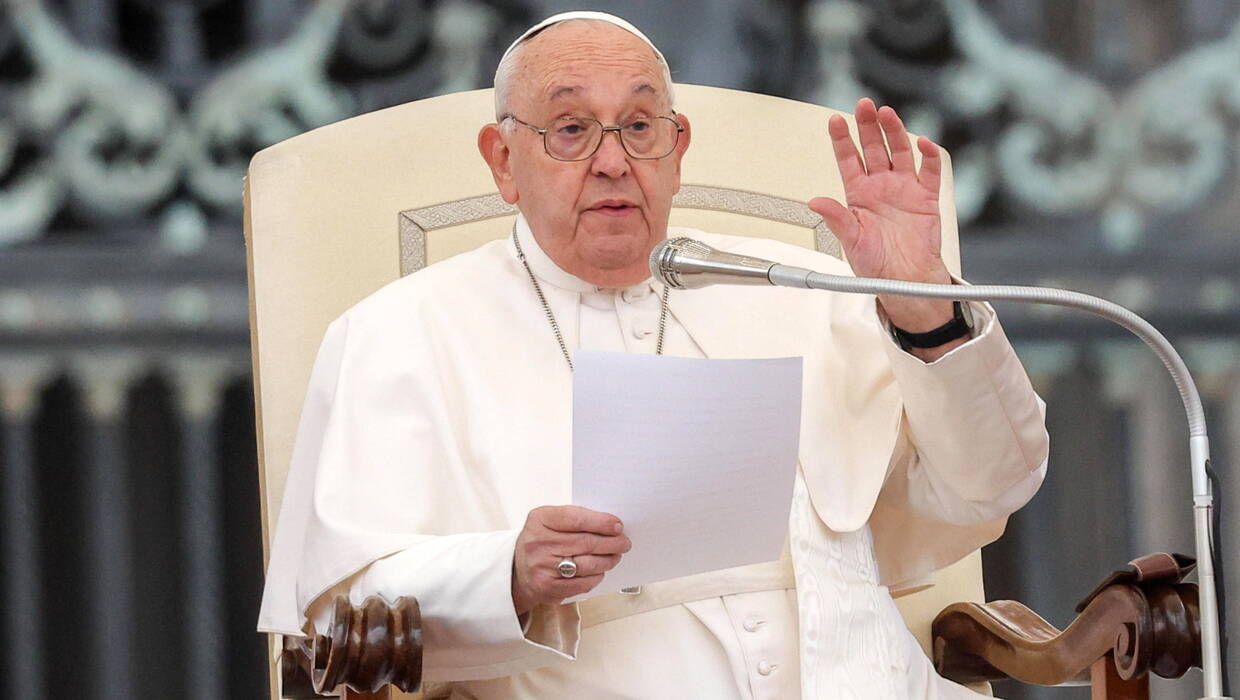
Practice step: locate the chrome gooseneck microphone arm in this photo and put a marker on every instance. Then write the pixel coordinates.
(685, 263)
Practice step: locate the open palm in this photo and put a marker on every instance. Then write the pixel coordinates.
(890, 227)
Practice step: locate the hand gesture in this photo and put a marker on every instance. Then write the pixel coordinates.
(890, 227)
(592, 540)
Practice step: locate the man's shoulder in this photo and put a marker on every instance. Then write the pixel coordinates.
(454, 280)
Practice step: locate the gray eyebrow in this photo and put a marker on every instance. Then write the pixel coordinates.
(565, 90)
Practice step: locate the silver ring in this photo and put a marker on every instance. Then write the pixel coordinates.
(567, 567)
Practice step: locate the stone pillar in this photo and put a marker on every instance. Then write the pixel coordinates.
(19, 392)
(104, 383)
(199, 385)
(1157, 470)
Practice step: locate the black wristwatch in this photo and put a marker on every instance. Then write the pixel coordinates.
(960, 326)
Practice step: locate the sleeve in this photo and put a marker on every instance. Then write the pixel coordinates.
(463, 587)
(973, 445)
(373, 505)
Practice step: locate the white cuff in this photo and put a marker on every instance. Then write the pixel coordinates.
(470, 629)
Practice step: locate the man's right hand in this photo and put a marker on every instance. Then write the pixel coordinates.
(593, 540)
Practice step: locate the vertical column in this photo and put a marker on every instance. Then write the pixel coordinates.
(105, 382)
(19, 387)
(1084, 500)
(1160, 485)
(199, 385)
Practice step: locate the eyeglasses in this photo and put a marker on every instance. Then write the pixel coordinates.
(578, 138)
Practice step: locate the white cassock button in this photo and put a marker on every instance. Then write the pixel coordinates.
(631, 295)
(764, 668)
(753, 623)
(640, 332)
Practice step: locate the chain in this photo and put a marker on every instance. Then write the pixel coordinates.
(555, 327)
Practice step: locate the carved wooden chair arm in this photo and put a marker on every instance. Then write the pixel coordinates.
(1140, 620)
(368, 648)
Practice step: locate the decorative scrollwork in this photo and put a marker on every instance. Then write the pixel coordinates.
(1050, 138)
(275, 94)
(91, 130)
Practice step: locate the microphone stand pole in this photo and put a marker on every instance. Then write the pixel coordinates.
(1198, 443)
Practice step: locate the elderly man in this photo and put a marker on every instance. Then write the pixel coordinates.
(433, 453)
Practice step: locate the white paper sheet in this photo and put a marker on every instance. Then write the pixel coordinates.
(696, 457)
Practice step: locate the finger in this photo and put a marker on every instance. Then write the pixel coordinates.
(570, 545)
(838, 218)
(578, 519)
(562, 588)
(931, 165)
(590, 564)
(846, 157)
(872, 144)
(897, 140)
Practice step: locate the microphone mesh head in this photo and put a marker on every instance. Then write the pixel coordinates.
(663, 258)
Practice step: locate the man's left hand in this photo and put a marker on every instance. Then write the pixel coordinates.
(891, 227)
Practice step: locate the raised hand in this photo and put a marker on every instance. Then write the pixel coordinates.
(890, 227)
(593, 540)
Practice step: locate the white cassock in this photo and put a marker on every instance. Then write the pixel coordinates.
(438, 415)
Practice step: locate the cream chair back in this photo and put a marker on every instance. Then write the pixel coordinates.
(336, 213)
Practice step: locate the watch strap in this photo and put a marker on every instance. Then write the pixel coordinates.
(957, 327)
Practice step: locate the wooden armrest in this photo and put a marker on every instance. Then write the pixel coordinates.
(369, 648)
(1145, 619)
(1138, 621)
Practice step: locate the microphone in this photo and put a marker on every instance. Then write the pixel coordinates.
(685, 263)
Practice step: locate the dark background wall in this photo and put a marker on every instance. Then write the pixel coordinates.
(1095, 147)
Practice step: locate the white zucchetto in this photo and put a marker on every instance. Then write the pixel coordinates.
(583, 14)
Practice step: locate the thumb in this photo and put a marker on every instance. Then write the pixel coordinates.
(838, 218)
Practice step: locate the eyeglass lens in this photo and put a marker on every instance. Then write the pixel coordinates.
(576, 138)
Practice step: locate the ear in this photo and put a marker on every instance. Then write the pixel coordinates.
(682, 145)
(499, 158)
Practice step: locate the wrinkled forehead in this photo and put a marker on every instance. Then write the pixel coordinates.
(576, 60)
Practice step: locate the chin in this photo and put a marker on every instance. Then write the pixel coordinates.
(617, 249)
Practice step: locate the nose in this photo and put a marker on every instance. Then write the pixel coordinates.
(610, 159)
